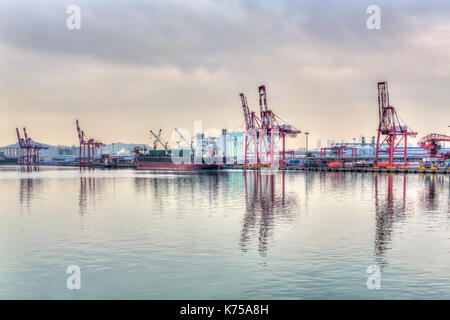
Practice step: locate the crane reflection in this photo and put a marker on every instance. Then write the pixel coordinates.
(434, 189)
(266, 203)
(88, 190)
(29, 187)
(390, 208)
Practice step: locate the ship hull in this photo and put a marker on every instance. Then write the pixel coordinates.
(165, 162)
(171, 166)
(174, 167)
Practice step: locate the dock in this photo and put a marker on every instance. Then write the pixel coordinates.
(355, 169)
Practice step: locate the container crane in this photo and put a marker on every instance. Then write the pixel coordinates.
(87, 147)
(264, 135)
(246, 111)
(431, 143)
(267, 116)
(250, 118)
(29, 151)
(339, 152)
(29, 147)
(394, 131)
(252, 131)
(22, 152)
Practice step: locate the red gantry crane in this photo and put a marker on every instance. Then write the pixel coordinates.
(88, 147)
(431, 143)
(264, 135)
(22, 152)
(392, 129)
(29, 150)
(339, 152)
(252, 126)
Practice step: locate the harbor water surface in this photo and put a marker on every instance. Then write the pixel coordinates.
(223, 234)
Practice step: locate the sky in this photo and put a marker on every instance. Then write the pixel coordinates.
(140, 65)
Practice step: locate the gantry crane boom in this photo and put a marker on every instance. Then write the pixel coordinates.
(431, 143)
(191, 143)
(80, 133)
(246, 111)
(263, 135)
(29, 151)
(87, 147)
(158, 140)
(27, 140)
(394, 131)
(20, 139)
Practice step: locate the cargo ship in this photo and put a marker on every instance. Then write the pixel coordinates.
(162, 160)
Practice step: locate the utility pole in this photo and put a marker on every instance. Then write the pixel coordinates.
(307, 134)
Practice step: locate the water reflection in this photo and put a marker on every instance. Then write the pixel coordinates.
(319, 230)
(156, 189)
(266, 204)
(184, 190)
(90, 193)
(332, 181)
(434, 186)
(28, 189)
(28, 168)
(390, 207)
(87, 185)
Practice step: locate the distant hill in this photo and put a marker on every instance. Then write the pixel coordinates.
(16, 145)
(52, 150)
(119, 148)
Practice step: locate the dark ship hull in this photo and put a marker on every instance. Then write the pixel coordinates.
(146, 162)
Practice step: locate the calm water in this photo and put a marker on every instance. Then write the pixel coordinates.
(229, 234)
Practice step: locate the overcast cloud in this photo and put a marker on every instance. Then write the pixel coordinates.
(137, 65)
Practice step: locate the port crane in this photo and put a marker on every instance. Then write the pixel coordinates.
(137, 150)
(265, 136)
(250, 118)
(431, 143)
(22, 152)
(252, 126)
(88, 147)
(339, 151)
(157, 140)
(391, 131)
(189, 143)
(29, 150)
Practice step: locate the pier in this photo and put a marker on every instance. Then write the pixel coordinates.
(352, 169)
